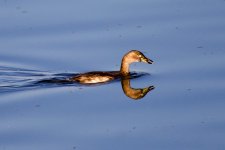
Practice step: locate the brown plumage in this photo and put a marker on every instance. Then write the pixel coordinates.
(101, 77)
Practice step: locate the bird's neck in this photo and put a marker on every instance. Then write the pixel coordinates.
(124, 69)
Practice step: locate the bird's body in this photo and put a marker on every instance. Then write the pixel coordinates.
(101, 76)
(96, 77)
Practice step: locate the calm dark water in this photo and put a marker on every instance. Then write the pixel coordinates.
(55, 39)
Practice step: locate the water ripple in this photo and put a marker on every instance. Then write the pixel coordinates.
(17, 79)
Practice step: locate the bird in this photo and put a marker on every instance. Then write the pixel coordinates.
(95, 77)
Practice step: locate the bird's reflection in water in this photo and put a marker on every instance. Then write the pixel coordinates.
(133, 93)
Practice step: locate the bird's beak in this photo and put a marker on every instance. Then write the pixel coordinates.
(147, 60)
(150, 61)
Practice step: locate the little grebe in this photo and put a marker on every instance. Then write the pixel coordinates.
(100, 77)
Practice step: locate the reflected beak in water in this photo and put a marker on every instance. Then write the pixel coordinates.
(146, 90)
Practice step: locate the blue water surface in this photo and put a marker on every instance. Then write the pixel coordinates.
(49, 39)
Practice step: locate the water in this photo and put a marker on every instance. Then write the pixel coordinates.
(48, 39)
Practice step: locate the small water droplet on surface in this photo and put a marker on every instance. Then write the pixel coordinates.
(139, 26)
(37, 105)
(24, 12)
